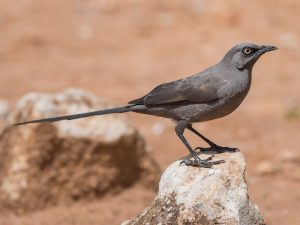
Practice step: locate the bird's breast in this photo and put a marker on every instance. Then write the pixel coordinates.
(233, 95)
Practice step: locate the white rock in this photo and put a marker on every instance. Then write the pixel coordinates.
(194, 195)
(158, 128)
(4, 109)
(289, 156)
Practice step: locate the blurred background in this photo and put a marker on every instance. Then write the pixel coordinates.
(119, 50)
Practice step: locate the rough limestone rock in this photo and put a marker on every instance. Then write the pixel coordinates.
(52, 163)
(191, 195)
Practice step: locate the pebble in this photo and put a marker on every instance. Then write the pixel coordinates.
(4, 109)
(267, 168)
(289, 156)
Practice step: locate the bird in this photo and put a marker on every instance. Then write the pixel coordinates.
(213, 93)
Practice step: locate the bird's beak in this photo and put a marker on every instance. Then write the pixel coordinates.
(267, 48)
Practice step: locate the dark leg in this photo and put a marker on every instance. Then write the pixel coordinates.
(213, 146)
(181, 125)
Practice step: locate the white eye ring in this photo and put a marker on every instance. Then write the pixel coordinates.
(247, 51)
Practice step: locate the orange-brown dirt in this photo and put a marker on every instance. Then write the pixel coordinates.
(121, 49)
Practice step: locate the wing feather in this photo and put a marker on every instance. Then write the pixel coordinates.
(194, 89)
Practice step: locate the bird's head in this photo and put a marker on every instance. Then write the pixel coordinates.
(243, 56)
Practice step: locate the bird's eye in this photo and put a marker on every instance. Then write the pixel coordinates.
(247, 51)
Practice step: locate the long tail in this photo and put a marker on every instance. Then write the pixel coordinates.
(78, 116)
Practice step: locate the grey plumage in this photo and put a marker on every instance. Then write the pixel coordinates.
(78, 116)
(210, 94)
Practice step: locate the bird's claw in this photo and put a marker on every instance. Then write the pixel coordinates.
(197, 162)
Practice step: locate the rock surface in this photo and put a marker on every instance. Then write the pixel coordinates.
(52, 163)
(191, 195)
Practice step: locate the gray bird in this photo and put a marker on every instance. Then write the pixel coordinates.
(210, 94)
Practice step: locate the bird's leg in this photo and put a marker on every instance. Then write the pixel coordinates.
(213, 146)
(181, 125)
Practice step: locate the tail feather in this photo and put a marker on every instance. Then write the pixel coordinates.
(77, 116)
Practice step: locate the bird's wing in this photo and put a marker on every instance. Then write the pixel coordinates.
(195, 89)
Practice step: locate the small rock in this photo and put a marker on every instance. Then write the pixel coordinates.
(267, 168)
(289, 40)
(289, 156)
(4, 109)
(85, 32)
(166, 19)
(158, 128)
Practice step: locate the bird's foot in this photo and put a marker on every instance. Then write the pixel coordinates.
(197, 162)
(217, 149)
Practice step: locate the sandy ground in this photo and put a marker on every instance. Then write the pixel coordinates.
(122, 49)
